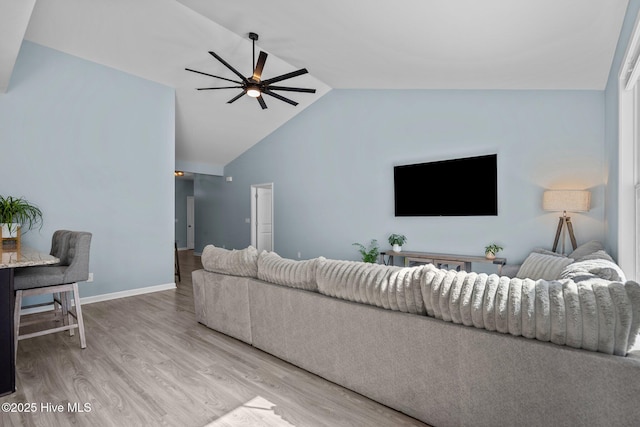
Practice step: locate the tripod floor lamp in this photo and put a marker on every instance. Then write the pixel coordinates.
(563, 201)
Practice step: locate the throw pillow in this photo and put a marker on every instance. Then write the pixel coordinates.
(590, 268)
(541, 266)
(287, 272)
(546, 252)
(242, 262)
(586, 249)
(597, 255)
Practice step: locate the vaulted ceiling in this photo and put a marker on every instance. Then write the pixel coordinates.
(401, 44)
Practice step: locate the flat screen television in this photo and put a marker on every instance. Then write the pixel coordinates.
(456, 187)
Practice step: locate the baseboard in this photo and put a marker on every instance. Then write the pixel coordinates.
(111, 296)
(128, 293)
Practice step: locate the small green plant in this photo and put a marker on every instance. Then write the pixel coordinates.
(17, 210)
(492, 249)
(369, 254)
(397, 239)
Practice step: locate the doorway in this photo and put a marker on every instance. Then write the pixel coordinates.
(191, 233)
(262, 217)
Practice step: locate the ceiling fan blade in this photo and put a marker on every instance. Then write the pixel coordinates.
(262, 103)
(235, 98)
(257, 73)
(224, 87)
(211, 75)
(292, 89)
(226, 64)
(280, 97)
(286, 76)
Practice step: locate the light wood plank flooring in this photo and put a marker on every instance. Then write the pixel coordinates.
(149, 363)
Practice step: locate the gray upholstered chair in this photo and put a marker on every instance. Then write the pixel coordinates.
(61, 280)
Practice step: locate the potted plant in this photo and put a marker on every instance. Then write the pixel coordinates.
(17, 212)
(491, 250)
(369, 254)
(397, 240)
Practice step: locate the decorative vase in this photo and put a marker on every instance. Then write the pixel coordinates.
(397, 248)
(490, 255)
(10, 230)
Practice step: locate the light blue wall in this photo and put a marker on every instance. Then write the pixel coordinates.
(208, 194)
(332, 167)
(611, 134)
(184, 189)
(93, 147)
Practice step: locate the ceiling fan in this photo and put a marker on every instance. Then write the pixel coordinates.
(254, 86)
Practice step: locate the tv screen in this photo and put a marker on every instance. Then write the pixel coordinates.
(456, 187)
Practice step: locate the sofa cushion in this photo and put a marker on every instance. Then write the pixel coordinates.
(595, 315)
(390, 287)
(542, 266)
(242, 262)
(287, 272)
(586, 249)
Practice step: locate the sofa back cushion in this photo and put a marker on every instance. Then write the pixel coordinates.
(595, 314)
(390, 287)
(242, 262)
(287, 272)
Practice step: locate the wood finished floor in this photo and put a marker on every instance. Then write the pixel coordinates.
(149, 363)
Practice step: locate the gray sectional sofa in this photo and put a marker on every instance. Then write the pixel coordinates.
(448, 348)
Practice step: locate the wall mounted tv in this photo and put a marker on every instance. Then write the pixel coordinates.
(456, 187)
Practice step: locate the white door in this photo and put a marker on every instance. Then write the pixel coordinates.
(191, 232)
(262, 217)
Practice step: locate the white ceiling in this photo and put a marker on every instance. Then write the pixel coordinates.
(13, 23)
(400, 44)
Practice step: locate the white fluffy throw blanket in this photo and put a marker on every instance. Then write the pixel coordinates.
(594, 314)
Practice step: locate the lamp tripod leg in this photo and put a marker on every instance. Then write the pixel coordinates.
(558, 231)
(571, 235)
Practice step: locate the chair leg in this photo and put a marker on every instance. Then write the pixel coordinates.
(67, 309)
(59, 300)
(16, 323)
(76, 298)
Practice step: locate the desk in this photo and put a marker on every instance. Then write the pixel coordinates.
(463, 262)
(25, 257)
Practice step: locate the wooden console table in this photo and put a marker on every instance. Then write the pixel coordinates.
(461, 262)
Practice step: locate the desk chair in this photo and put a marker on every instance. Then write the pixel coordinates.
(61, 280)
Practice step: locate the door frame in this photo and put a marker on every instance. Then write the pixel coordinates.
(628, 143)
(254, 207)
(191, 243)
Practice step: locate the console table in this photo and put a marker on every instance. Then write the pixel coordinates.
(9, 260)
(461, 262)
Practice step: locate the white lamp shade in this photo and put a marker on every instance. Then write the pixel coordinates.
(566, 200)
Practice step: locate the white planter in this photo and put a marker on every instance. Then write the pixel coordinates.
(397, 248)
(10, 230)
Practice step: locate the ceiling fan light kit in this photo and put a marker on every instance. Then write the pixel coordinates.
(254, 86)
